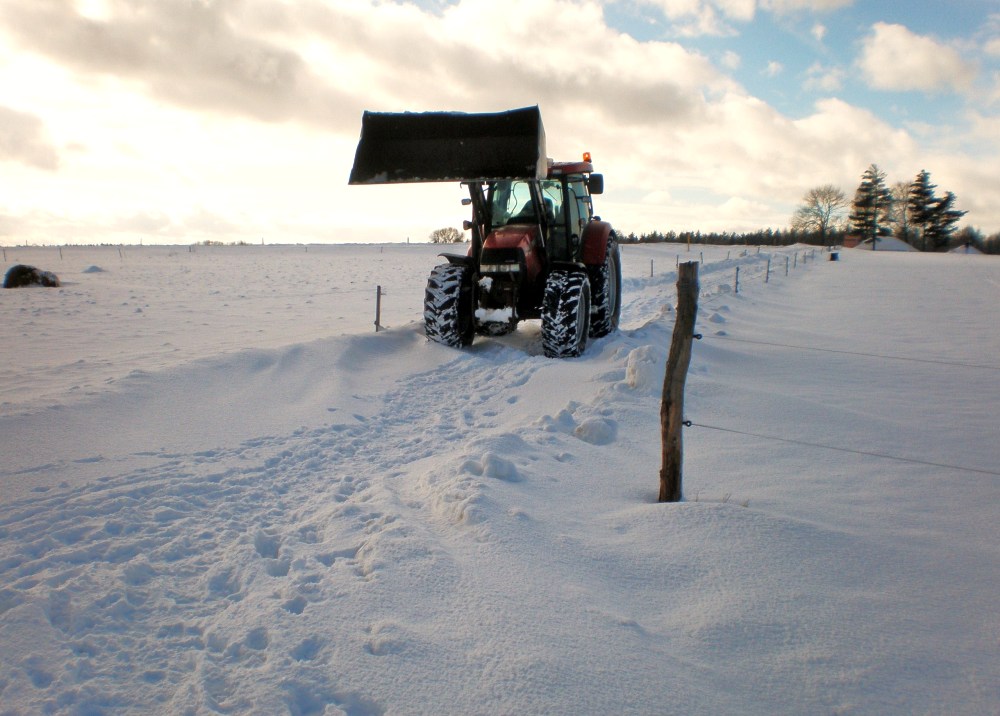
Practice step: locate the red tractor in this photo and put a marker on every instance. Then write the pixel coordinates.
(538, 250)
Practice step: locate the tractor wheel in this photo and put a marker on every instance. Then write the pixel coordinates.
(606, 292)
(448, 306)
(565, 314)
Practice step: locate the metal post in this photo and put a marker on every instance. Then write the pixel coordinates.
(767, 274)
(378, 308)
(737, 287)
(786, 265)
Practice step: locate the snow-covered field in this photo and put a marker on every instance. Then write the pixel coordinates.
(224, 492)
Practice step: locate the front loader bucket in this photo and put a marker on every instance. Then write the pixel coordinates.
(449, 146)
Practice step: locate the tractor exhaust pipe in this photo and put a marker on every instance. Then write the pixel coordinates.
(406, 147)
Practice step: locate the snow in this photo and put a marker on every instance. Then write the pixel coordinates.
(224, 492)
(886, 243)
(495, 315)
(966, 249)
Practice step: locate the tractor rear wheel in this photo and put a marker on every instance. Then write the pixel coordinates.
(565, 314)
(606, 292)
(448, 306)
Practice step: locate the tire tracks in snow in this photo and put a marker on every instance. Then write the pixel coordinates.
(163, 566)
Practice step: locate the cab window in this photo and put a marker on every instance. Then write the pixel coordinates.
(552, 195)
(510, 203)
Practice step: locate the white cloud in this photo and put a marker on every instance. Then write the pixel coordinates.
(824, 79)
(24, 139)
(774, 68)
(731, 60)
(786, 6)
(742, 10)
(818, 31)
(992, 47)
(893, 58)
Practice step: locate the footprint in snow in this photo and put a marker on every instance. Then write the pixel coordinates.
(266, 545)
(307, 650)
(257, 639)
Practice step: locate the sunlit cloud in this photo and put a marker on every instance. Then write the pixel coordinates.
(894, 58)
(731, 60)
(787, 6)
(820, 78)
(23, 138)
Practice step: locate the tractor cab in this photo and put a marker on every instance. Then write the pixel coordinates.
(550, 214)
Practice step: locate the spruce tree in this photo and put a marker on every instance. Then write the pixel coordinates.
(943, 221)
(934, 218)
(869, 217)
(920, 203)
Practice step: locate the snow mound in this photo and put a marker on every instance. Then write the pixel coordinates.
(965, 250)
(886, 243)
(644, 370)
(597, 431)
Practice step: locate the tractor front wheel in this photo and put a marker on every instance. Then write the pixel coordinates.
(565, 313)
(449, 307)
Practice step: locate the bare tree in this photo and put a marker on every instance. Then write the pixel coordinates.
(900, 212)
(447, 235)
(822, 209)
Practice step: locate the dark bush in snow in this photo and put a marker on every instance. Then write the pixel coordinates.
(20, 275)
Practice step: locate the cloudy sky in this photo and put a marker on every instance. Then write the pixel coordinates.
(174, 121)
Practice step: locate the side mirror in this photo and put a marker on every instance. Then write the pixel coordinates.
(596, 183)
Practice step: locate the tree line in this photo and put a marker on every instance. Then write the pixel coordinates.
(909, 211)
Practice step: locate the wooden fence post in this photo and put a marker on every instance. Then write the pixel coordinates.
(672, 405)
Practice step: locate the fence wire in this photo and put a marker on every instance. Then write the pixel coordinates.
(882, 356)
(867, 453)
